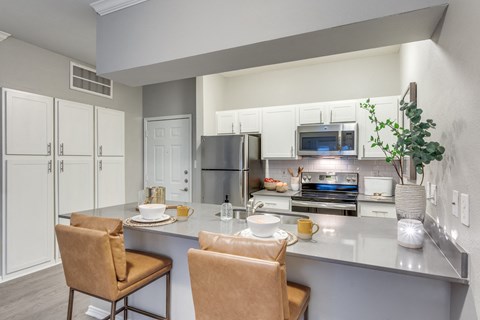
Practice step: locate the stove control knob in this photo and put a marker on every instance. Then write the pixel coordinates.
(348, 179)
(309, 178)
(304, 178)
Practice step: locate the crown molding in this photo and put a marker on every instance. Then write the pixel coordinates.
(103, 7)
(4, 35)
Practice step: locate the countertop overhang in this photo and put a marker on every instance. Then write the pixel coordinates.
(353, 241)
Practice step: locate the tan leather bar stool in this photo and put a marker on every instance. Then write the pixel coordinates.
(96, 263)
(238, 278)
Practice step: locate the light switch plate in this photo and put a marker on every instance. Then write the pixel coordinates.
(464, 209)
(455, 203)
(433, 194)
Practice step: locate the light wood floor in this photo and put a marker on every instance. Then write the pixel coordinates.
(41, 296)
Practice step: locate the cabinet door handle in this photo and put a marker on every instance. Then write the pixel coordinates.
(291, 151)
(49, 148)
(49, 166)
(232, 128)
(100, 165)
(61, 166)
(321, 116)
(364, 151)
(100, 150)
(379, 211)
(240, 127)
(270, 203)
(61, 149)
(331, 116)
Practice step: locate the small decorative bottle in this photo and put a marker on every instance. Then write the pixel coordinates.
(226, 212)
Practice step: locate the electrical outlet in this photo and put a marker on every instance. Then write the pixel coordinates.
(455, 203)
(433, 194)
(464, 209)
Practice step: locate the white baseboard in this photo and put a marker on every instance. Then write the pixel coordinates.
(98, 313)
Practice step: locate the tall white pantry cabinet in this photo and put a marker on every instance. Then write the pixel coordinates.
(48, 157)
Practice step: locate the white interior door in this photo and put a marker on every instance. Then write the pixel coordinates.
(29, 217)
(168, 157)
(110, 182)
(74, 128)
(28, 123)
(75, 185)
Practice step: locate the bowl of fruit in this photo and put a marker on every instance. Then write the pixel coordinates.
(281, 187)
(270, 184)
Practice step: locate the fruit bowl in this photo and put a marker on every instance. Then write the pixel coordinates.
(272, 186)
(282, 188)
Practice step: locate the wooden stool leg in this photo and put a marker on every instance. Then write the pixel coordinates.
(125, 305)
(113, 311)
(70, 304)
(305, 314)
(167, 315)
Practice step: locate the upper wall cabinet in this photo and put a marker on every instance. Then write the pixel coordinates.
(386, 108)
(278, 132)
(313, 113)
(110, 132)
(249, 120)
(343, 111)
(239, 121)
(74, 128)
(226, 122)
(28, 123)
(327, 112)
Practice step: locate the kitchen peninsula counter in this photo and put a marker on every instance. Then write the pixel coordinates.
(350, 259)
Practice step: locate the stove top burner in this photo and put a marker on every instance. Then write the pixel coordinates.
(321, 196)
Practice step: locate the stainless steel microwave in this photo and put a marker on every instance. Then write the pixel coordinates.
(334, 140)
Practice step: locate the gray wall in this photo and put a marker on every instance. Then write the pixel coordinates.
(447, 71)
(170, 99)
(29, 68)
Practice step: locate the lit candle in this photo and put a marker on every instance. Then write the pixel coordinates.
(410, 233)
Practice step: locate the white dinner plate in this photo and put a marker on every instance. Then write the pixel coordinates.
(138, 218)
(279, 234)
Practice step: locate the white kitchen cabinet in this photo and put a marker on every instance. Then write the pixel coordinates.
(110, 132)
(75, 184)
(226, 122)
(74, 128)
(28, 123)
(275, 202)
(249, 120)
(386, 108)
(376, 210)
(28, 214)
(313, 113)
(110, 186)
(239, 121)
(279, 128)
(343, 111)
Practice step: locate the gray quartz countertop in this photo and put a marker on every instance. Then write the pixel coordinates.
(265, 192)
(354, 241)
(365, 198)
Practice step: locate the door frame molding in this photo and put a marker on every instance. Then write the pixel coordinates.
(166, 118)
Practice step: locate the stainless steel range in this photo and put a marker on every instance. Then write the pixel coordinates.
(327, 193)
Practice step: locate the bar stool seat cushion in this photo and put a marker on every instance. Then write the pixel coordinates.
(298, 297)
(142, 268)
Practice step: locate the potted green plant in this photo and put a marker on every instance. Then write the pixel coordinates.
(412, 142)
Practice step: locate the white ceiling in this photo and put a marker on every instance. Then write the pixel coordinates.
(67, 27)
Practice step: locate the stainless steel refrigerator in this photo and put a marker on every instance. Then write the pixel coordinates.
(231, 164)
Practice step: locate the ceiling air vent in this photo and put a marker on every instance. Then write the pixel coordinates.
(85, 79)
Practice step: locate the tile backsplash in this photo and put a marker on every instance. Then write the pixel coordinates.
(277, 169)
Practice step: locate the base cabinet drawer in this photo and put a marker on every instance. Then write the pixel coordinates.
(272, 202)
(377, 210)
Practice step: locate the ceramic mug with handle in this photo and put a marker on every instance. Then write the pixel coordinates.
(306, 228)
(184, 212)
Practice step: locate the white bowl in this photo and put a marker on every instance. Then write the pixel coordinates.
(263, 225)
(152, 211)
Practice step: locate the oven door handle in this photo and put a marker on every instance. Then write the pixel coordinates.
(324, 205)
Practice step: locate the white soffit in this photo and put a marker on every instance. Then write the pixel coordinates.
(103, 7)
(4, 35)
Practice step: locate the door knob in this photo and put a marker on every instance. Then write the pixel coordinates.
(186, 171)
(184, 189)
